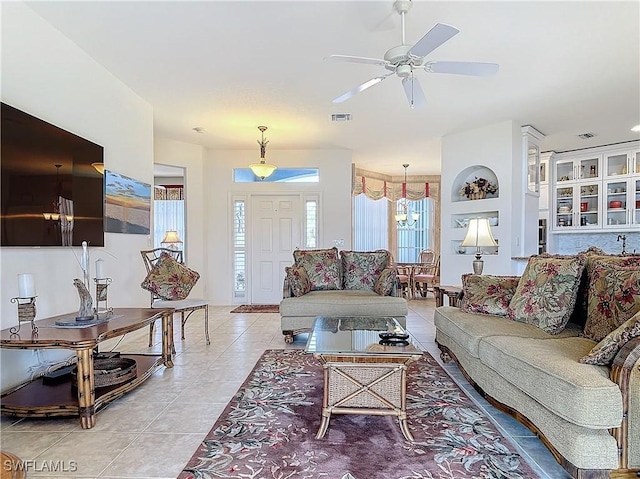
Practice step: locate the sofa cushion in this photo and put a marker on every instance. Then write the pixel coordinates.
(546, 293)
(386, 282)
(614, 296)
(361, 269)
(486, 294)
(169, 279)
(343, 303)
(468, 329)
(548, 370)
(298, 280)
(604, 352)
(322, 267)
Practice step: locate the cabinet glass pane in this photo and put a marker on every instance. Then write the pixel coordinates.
(564, 171)
(533, 169)
(588, 168)
(616, 164)
(636, 205)
(589, 201)
(564, 206)
(616, 203)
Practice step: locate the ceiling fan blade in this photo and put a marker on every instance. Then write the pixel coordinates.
(360, 88)
(463, 68)
(352, 59)
(414, 92)
(431, 40)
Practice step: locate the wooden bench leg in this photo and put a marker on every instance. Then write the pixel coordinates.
(151, 327)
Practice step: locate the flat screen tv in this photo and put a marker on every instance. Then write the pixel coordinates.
(51, 195)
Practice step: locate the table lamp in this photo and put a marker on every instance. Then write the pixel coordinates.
(478, 235)
(171, 239)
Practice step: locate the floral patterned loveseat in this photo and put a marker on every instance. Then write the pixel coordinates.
(559, 348)
(325, 282)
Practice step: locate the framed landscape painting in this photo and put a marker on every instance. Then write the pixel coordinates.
(127, 205)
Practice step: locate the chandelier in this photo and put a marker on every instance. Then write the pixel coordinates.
(403, 218)
(262, 169)
(56, 214)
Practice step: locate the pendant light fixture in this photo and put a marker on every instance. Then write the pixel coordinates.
(403, 218)
(262, 170)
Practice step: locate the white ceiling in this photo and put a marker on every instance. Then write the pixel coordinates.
(565, 67)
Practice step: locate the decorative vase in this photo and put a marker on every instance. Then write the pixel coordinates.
(480, 195)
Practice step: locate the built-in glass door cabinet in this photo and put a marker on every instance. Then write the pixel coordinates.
(622, 202)
(636, 202)
(622, 183)
(579, 169)
(577, 205)
(577, 193)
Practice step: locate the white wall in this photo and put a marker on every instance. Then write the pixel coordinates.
(46, 75)
(334, 189)
(189, 157)
(497, 147)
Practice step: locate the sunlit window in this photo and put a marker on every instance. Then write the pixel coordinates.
(371, 227)
(282, 175)
(239, 248)
(311, 226)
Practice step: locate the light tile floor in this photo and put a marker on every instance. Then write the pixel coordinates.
(154, 430)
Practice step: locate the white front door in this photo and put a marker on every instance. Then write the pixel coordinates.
(275, 233)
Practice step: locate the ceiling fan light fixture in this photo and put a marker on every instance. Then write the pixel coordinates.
(636, 128)
(401, 60)
(262, 169)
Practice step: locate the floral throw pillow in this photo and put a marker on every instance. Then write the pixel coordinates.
(361, 269)
(604, 352)
(386, 281)
(298, 280)
(169, 279)
(486, 294)
(594, 255)
(322, 267)
(546, 294)
(614, 296)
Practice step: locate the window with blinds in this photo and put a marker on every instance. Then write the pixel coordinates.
(370, 223)
(371, 227)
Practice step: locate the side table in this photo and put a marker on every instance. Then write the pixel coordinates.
(453, 293)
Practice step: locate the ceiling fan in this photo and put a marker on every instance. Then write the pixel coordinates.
(403, 60)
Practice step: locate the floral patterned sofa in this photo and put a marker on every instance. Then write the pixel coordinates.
(325, 282)
(559, 348)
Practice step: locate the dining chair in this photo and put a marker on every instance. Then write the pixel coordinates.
(425, 277)
(187, 306)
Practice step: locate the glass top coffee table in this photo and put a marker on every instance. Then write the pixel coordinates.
(365, 361)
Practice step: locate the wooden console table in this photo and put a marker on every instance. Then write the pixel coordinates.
(36, 399)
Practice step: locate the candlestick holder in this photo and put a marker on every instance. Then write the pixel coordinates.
(26, 312)
(102, 285)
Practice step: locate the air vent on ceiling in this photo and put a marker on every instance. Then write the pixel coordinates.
(341, 117)
(586, 136)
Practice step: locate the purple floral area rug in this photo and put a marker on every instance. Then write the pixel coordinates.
(268, 431)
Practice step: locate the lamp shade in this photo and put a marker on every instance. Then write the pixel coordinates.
(99, 167)
(172, 237)
(262, 169)
(479, 234)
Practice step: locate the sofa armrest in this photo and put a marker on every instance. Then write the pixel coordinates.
(286, 289)
(625, 372)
